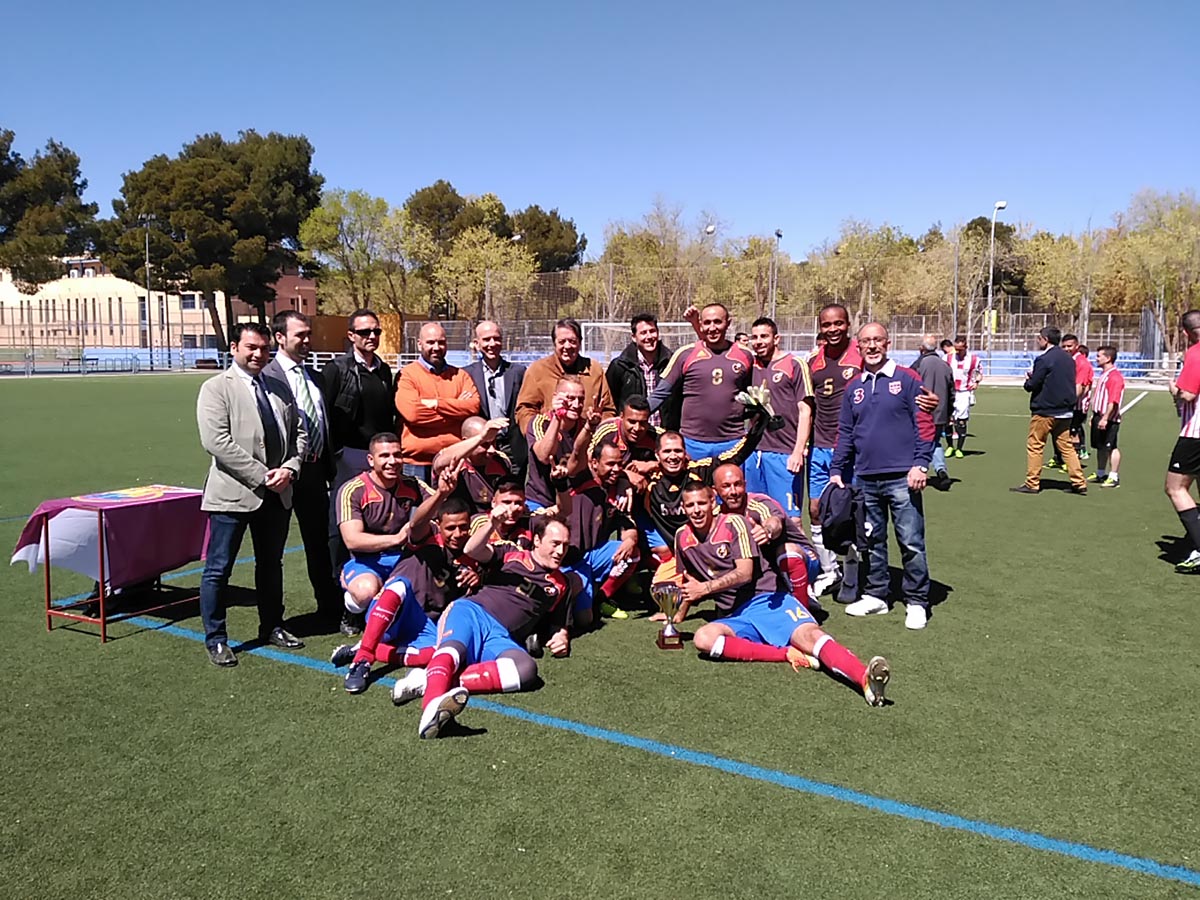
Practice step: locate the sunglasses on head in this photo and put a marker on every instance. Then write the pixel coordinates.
(368, 332)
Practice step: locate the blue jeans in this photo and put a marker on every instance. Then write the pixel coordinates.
(938, 463)
(881, 496)
(268, 533)
(414, 471)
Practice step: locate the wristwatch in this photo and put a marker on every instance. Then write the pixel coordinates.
(924, 470)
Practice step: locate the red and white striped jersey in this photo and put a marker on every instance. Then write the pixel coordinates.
(1189, 380)
(1108, 389)
(966, 371)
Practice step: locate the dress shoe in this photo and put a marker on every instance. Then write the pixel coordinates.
(221, 655)
(1077, 489)
(1025, 489)
(280, 638)
(352, 623)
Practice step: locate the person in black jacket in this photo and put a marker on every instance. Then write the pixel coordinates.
(361, 397)
(637, 370)
(1051, 386)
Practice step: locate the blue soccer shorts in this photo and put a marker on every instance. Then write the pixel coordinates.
(702, 449)
(592, 569)
(768, 619)
(819, 461)
(378, 564)
(767, 473)
(475, 628)
(411, 627)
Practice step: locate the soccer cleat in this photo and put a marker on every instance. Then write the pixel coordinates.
(612, 611)
(352, 623)
(825, 581)
(1110, 482)
(915, 617)
(1094, 478)
(801, 660)
(1191, 565)
(441, 711)
(958, 454)
(1052, 464)
(343, 654)
(867, 606)
(1085, 455)
(875, 681)
(410, 687)
(356, 678)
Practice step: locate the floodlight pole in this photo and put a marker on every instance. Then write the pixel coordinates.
(996, 207)
(146, 219)
(775, 268)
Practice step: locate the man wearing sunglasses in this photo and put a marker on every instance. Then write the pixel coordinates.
(360, 393)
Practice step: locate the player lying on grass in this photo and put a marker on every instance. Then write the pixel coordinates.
(720, 560)
(436, 571)
(480, 640)
(781, 541)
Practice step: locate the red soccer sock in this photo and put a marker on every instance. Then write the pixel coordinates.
(497, 676)
(403, 656)
(439, 675)
(383, 613)
(837, 658)
(662, 555)
(741, 650)
(613, 583)
(796, 567)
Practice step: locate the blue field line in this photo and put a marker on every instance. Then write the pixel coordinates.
(14, 518)
(1029, 839)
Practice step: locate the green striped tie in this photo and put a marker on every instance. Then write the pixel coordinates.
(316, 440)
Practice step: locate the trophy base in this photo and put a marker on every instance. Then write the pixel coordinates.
(669, 641)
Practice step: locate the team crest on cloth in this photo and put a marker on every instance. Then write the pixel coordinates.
(848, 373)
(737, 368)
(859, 394)
(894, 387)
(777, 377)
(722, 551)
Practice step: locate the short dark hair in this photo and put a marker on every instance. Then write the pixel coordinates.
(1190, 320)
(693, 487)
(358, 314)
(1052, 335)
(508, 485)
(236, 332)
(765, 320)
(946, 342)
(573, 324)
(1071, 337)
(601, 444)
(960, 337)
(1083, 348)
(454, 506)
(739, 335)
(828, 306)
(636, 401)
(1108, 350)
(279, 324)
(669, 434)
(539, 524)
(383, 437)
(648, 318)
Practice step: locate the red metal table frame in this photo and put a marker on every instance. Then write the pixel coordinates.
(65, 611)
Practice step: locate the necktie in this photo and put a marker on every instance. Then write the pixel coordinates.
(273, 439)
(303, 391)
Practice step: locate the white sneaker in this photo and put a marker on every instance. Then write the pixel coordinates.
(878, 674)
(410, 687)
(825, 581)
(441, 712)
(867, 606)
(915, 617)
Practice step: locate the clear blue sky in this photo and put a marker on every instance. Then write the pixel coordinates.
(775, 114)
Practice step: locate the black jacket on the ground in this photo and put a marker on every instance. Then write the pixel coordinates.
(625, 379)
(361, 402)
(1051, 384)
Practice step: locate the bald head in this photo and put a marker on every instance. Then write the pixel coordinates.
(432, 343)
(472, 426)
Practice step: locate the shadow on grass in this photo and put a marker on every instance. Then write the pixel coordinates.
(1174, 549)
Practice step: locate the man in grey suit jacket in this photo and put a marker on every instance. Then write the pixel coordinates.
(310, 494)
(249, 426)
(498, 382)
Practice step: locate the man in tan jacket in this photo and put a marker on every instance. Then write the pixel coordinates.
(249, 425)
(542, 377)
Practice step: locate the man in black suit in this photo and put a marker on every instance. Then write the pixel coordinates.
(1052, 399)
(310, 495)
(499, 381)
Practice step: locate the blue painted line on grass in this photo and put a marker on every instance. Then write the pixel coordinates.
(1029, 839)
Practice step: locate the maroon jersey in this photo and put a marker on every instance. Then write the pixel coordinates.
(708, 382)
(519, 538)
(829, 380)
(537, 479)
(642, 450)
(728, 541)
(382, 511)
(593, 517)
(475, 486)
(524, 595)
(788, 381)
(433, 574)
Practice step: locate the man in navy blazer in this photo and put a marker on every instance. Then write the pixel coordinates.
(498, 381)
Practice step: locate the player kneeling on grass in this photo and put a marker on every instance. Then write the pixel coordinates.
(480, 641)
(398, 628)
(759, 622)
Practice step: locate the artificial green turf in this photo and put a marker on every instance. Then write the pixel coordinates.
(1051, 692)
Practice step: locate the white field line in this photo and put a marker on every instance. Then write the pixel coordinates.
(1132, 403)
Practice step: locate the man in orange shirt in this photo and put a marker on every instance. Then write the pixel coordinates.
(433, 398)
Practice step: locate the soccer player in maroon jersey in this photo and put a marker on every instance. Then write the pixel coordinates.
(482, 462)
(781, 540)
(758, 622)
(507, 521)
(708, 375)
(480, 640)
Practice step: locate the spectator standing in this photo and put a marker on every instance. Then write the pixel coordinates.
(310, 493)
(1052, 399)
(1107, 396)
(498, 381)
(639, 368)
(1185, 458)
(249, 426)
(938, 376)
(542, 377)
(433, 398)
(886, 440)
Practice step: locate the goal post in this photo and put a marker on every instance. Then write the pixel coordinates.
(604, 341)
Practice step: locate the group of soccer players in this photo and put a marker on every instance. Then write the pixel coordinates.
(468, 580)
